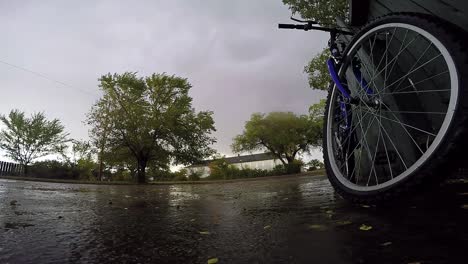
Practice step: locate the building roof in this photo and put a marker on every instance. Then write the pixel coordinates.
(238, 159)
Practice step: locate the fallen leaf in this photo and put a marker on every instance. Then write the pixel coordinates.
(342, 223)
(317, 227)
(365, 227)
(386, 244)
(267, 227)
(204, 233)
(213, 261)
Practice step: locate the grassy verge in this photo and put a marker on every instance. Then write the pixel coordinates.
(22, 178)
(309, 173)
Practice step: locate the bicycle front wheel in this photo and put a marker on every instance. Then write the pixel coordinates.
(407, 109)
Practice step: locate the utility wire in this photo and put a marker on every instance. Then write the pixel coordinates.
(47, 78)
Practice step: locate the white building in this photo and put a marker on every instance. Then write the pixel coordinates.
(262, 161)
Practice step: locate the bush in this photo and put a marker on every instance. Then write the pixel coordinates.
(218, 169)
(315, 164)
(221, 170)
(194, 176)
(294, 167)
(122, 175)
(53, 169)
(278, 170)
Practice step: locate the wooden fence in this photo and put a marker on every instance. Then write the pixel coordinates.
(10, 169)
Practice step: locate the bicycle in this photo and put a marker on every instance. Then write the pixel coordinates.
(397, 106)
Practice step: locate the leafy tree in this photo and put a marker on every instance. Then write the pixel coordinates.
(81, 159)
(98, 119)
(319, 78)
(25, 139)
(322, 11)
(153, 118)
(315, 164)
(80, 150)
(219, 168)
(284, 134)
(316, 116)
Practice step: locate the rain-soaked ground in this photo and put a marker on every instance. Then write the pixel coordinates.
(285, 220)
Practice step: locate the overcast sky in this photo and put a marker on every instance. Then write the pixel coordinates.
(231, 52)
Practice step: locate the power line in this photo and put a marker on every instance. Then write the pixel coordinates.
(47, 78)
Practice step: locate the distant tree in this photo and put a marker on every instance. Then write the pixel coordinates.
(284, 134)
(322, 11)
(81, 159)
(319, 78)
(152, 118)
(99, 120)
(219, 168)
(25, 139)
(316, 115)
(80, 150)
(315, 164)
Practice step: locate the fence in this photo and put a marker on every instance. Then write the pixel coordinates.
(10, 169)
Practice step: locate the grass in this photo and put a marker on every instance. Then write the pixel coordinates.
(22, 178)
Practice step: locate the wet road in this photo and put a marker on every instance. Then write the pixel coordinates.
(286, 220)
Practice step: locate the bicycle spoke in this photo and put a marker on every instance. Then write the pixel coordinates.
(386, 152)
(415, 112)
(359, 143)
(414, 65)
(399, 52)
(404, 124)
(373, 161)
(396, 56)
(407, 74)
(418, 82)
(393, 144)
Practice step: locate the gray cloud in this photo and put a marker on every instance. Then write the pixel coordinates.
(231, 51)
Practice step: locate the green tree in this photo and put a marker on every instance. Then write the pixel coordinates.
(284, 134)
(25, 139)
(315, 164)
(316, 116)
(98, 119)
(322, 11)
(317, 71)
(80, 150)
(153, 118)
(81, 159)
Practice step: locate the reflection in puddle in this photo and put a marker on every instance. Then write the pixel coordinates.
(177, 194)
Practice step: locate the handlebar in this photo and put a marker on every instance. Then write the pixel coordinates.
(292, 26)
(309, 26)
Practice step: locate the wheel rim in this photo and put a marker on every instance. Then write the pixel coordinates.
(396, 120)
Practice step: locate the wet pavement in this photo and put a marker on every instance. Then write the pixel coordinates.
(285, 220)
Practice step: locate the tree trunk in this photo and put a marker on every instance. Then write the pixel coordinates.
(141, 172)
(25, 169)
(101, 168)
